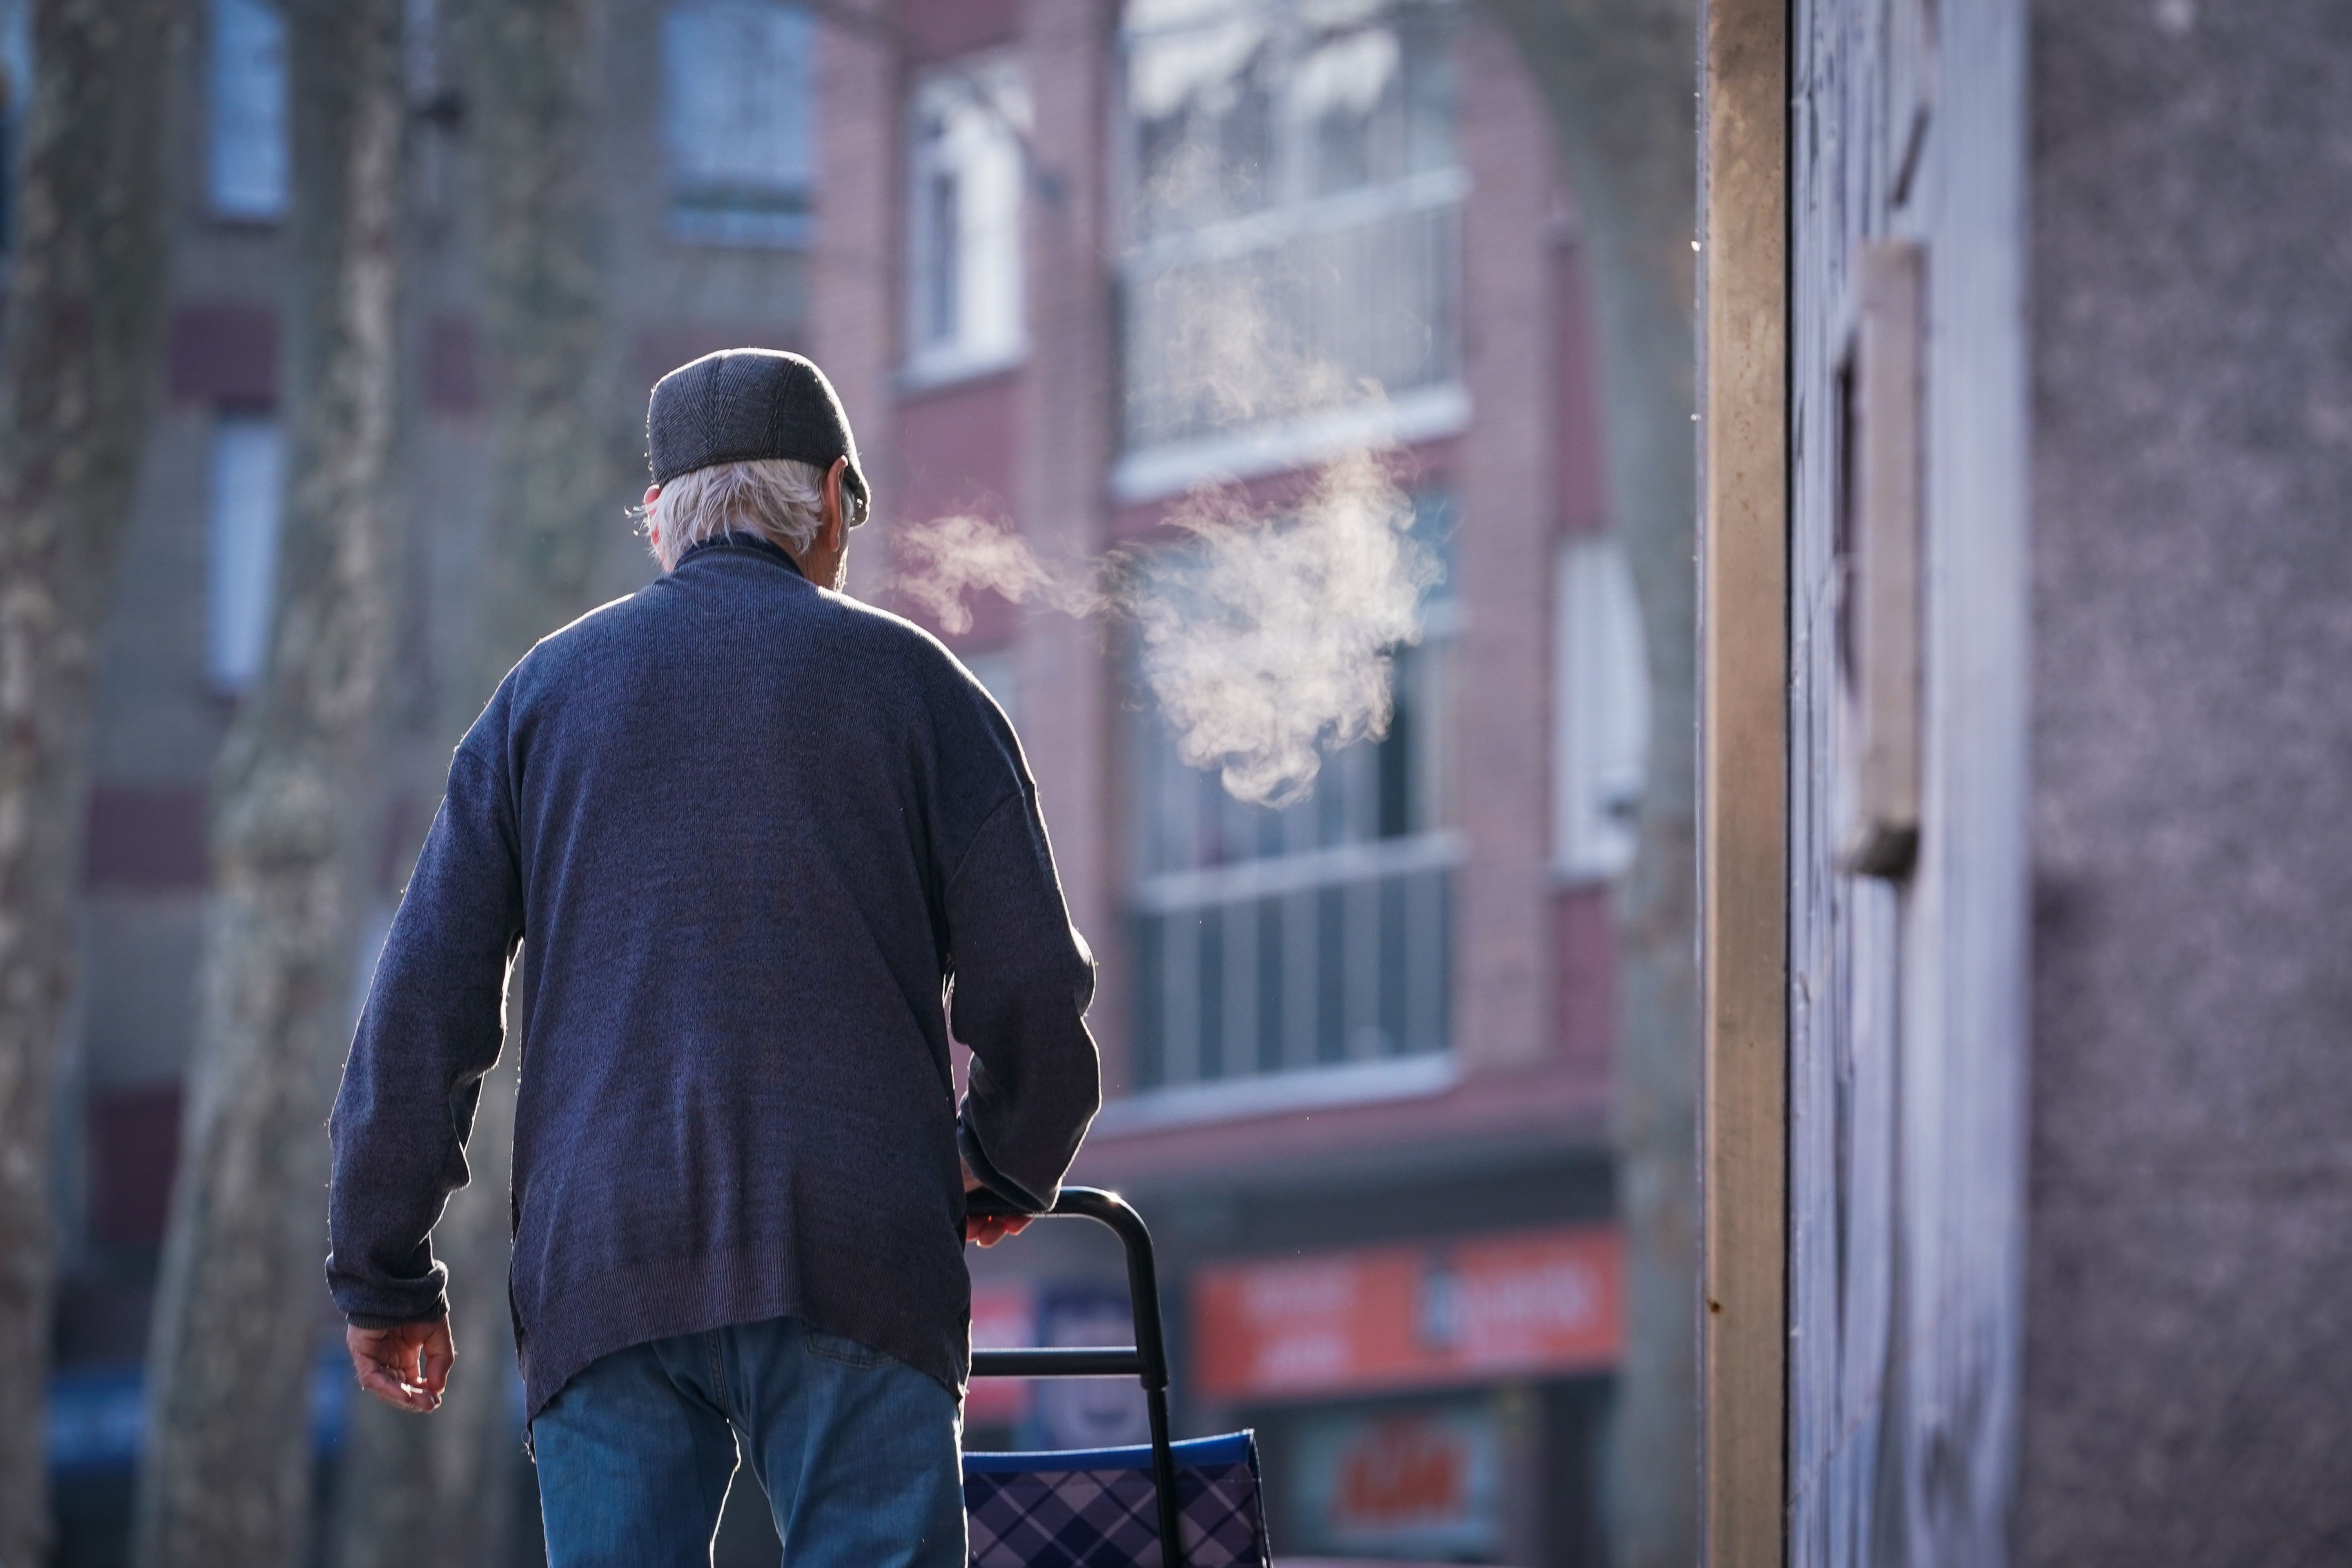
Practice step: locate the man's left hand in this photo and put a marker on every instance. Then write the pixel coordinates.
(406, 1365)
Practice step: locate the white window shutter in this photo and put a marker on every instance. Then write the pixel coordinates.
(1601, 710)
(964, 269)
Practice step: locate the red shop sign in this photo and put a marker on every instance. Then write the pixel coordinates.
(1410, 1316)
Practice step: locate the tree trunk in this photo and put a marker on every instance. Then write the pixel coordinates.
(532, 75)
(560, 490)
(225, 1480)
(84, 320)
(1618, 76)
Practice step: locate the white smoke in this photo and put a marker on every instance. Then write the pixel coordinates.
(943, 562)
(1264, 638)
(1266, 642)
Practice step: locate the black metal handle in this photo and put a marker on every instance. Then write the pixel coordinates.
(1057, 1361)
(1146, 1358)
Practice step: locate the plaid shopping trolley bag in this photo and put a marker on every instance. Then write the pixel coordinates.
(1159, 1505)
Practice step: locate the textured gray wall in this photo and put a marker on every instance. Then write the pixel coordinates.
(2188, 1394)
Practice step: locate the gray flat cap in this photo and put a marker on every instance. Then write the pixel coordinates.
(741, 404)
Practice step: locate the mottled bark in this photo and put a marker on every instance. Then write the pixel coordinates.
(226, 1478)
(440, 1490)
(1619, 76)
(533, 80)
(84, 320)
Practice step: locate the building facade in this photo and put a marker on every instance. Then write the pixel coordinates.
(1116, 283)
(707, 154)
(1119, 284)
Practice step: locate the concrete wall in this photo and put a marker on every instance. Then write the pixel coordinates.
(2189, 1385)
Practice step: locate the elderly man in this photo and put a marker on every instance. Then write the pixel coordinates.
(761, 847)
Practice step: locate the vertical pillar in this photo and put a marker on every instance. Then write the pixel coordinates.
(854, 262)
(1068, 699)
(1743, 726)
(1503, 947)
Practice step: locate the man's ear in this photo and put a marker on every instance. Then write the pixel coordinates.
(836, 504)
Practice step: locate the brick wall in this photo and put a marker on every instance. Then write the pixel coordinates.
(1068, 701)
(959, 454)
(854, 266)
(940, 29)
(1503, 956)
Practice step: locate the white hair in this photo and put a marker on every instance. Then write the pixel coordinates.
(780, 499)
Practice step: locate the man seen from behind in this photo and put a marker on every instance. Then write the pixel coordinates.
(761, 848)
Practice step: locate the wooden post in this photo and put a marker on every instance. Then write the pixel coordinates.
(1743, 860)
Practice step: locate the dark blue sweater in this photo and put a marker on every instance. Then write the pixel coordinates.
(749, 834)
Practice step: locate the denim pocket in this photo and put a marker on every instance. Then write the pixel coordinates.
(844, 1352)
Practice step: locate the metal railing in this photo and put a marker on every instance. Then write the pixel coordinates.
(1333, 957)
(1293, 312)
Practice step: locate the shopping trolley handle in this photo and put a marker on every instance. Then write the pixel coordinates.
(1147, 1359)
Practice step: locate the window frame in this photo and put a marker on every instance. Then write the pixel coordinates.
(1430, 411)
(698, 211)
(1007, 99)
(1585, 846)
(242, 553)
(259, 191)
(1359, 870)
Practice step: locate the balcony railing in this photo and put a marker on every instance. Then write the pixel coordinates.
(1328, 308)
(1334, 957)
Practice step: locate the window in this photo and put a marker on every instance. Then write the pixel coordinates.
(1313, 936)
(740, 154)
(248, 467)
(1600, 721)
(16, 60)
(1293, 264)
(964, 275)
(246, 168)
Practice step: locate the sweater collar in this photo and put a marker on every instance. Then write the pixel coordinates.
(738, 540)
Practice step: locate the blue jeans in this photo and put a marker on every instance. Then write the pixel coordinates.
(859, 1453)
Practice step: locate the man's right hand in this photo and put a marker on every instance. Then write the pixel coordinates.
(407, 1366)
(987, 1230)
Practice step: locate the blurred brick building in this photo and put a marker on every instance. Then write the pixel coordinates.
(1359, 1050)
(1073, 262)
(709, 224)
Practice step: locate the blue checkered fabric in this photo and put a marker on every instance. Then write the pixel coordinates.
(1096, 1510)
